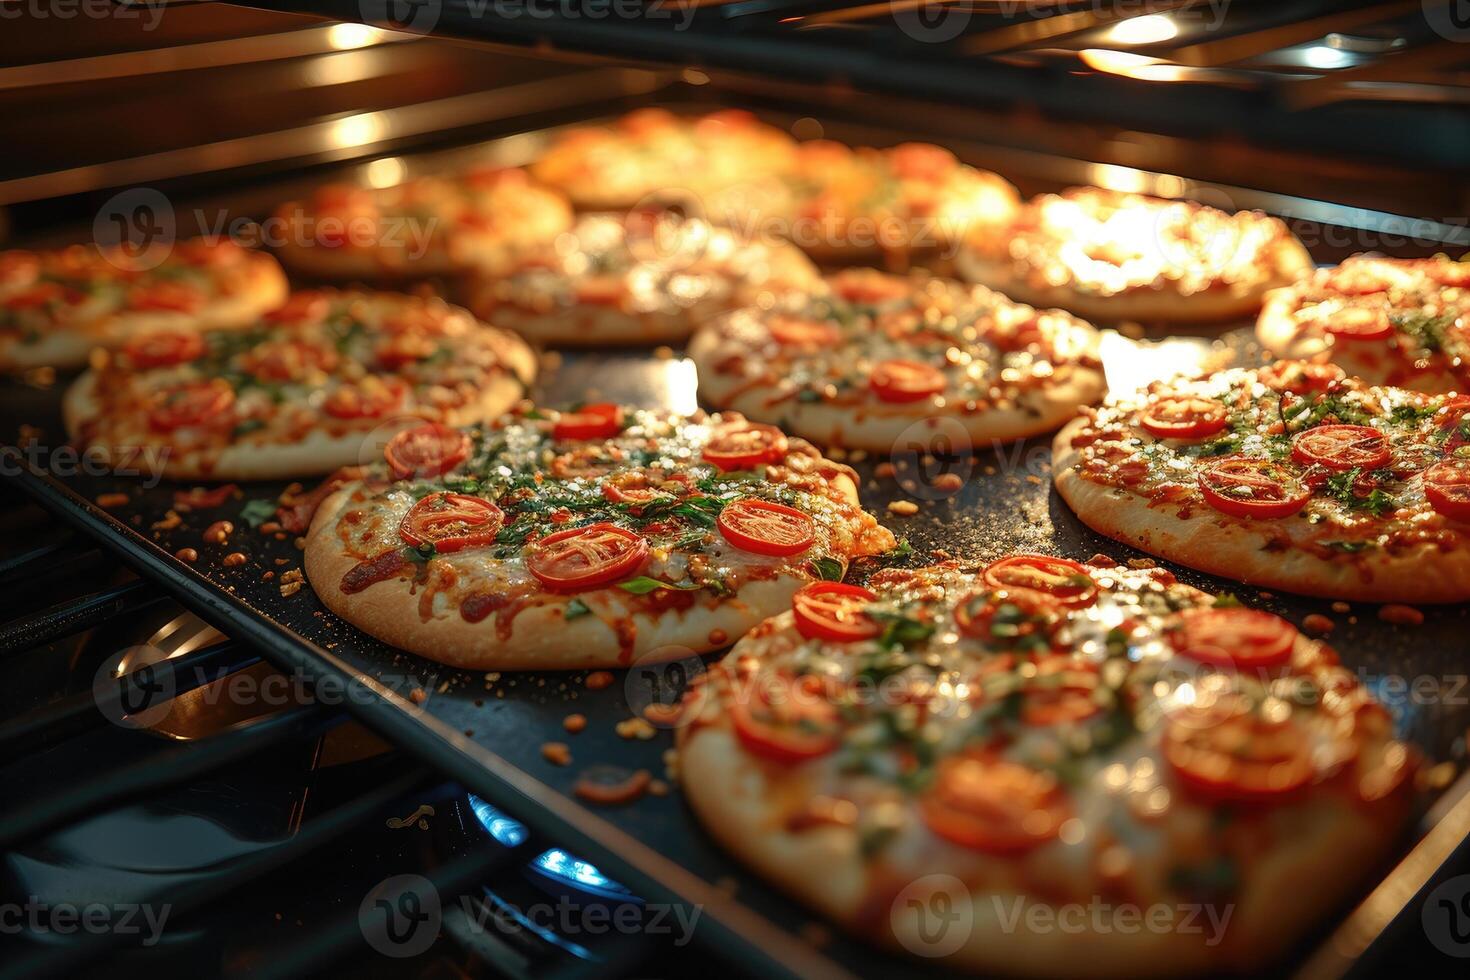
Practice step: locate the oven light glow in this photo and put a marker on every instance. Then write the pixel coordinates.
(345, 37)
(1321, 56)
(386, 172)
(358, 130)
(505, 830)
(1148, 29)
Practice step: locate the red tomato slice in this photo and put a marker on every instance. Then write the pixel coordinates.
(194, 404)
(905, 381)
(173, 297)
(1059, 579)
(35, 296)
(1062, 692)
(867, 287)
(1257, 488)
(1244, 639)
(404, 348)
(975, 615)
(601, 421)
(834, 611)
(451, 522)
(164, 348)
(793, 331)
(288, 360)
(367, 400)
(586, 557)
(786, 720)
(426, 451)
(1341, 447)
(303, 307)
(1300, 377)
(922, 161)
(1454, 422)
(764, 528)
(1226, 752)
(1356, 323)
(1447, 485)
(994, 806)
(745, 445)
(601, 291)
(19, 268)
(1183, 417)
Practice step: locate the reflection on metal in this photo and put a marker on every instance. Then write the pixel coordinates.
(207, 54)
(1148, 29)
(211, 708)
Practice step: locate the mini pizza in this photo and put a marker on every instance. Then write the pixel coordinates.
(857, 204)
(430, 226)
(859, 363)
(594, 538)
(56, 306)
(320, 383)
(644, 278)
(1388, 321)
(1115, 257)
(719, 163)
(1288, 477)
(1036, 736)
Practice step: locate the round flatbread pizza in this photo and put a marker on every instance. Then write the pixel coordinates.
(1290, 477)
(320, 383)
(648, 277)
(724, 163)
(857, 204)
(1114, 257)
(429, 226)
(985, 748)
(592, 538)
(1399, 322)
(861, 362)
(56, 306)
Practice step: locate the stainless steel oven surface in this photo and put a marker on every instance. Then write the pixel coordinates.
(212, 773)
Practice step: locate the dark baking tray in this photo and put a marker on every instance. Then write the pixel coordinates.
(488, 734)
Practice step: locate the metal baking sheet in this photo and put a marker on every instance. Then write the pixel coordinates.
(488, 731)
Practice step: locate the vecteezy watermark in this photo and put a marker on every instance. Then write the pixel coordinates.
(146, 462)
(36, 917)
(136, 228)
(133, 689)
(1446, 917)
(655, 685)
(149, 12)
(402, 916)
(1448, 18)
(422, 16)
(940, 21)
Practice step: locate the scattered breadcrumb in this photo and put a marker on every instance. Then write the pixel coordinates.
(291, 582)
(1341, 607)
(1265, 596)
(1033, 478)
(1101, 560)
(599, 679)
(1400, 615)
(556, 753)
(658, 788)
(635, 728)
(663, 353)
(111, 499)
(903, 508)
(948, 482)
(234, 558)
(186, 554)
(171, 520)
(837, 454)
(1318, 624)
(418, 695)
(884, 471)
(218, 532)
(574, 723)
(1142, 563)
(857, 455)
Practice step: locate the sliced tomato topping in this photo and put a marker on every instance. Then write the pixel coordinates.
(786, 720)
(794, 331)
(905, 381)
(1005, 618)
(164, 348)
(1447, 485)
(866, 286)
(601, 421)
(586, 557)
(1183, 417)
(1454, 422)
(922, 161)
(451, 522)
(197, 403)
(1243, 486)
(1341, 447)
(1063, 691)
(202, 252)
(35, 296)
(992, 805)
(744, 445)
(1244, 639)
(288, 360)
(1059, 579)
(307, 306)
(426, 451)
(369, 399)
(1224, 751)
(601, 291)
(173, 297)
(766, 528)
(1356, 323)
(405, 347)
(19, 268)
(834, 611)
(1300, 377)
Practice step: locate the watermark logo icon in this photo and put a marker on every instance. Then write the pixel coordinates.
(414, 16)
(1446, 917)
(136, 228)
(134, 688)
(933, 916)
(400, 917)
(1449, 19)
(930, 21)
(654, 686)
